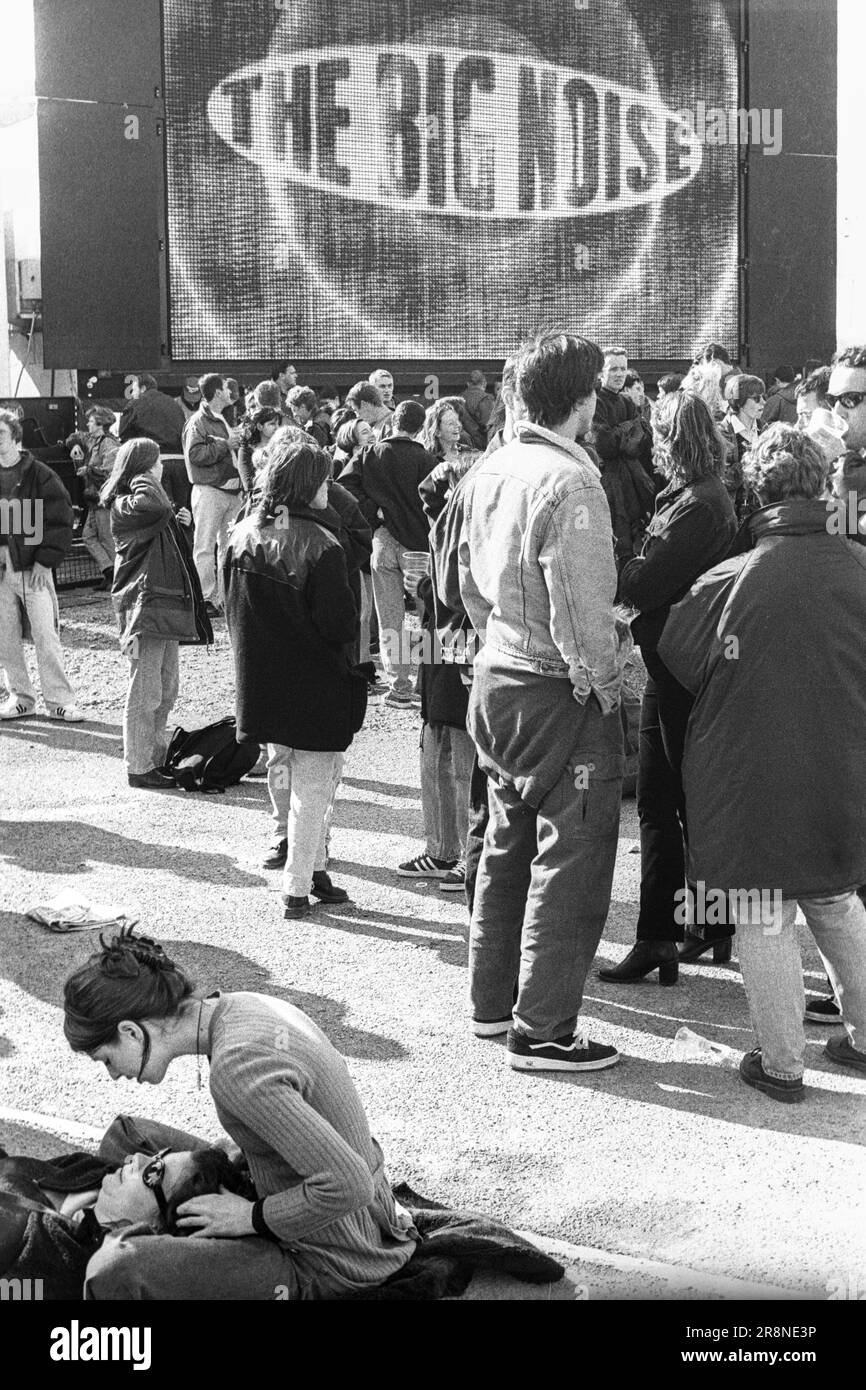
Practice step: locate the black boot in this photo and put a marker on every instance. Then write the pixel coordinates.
(695, 946)
(642, 959)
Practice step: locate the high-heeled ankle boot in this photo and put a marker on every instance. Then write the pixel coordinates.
(695, 946)
(642, 959)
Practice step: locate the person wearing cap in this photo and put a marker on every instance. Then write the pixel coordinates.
(478, 408)
(100, 446)
(847, 393)
(745, 396)
(151, 414)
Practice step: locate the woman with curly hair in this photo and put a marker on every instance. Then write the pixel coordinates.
(443, 435)
(324, 1220)
(691, 531)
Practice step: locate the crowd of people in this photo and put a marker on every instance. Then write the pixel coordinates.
(503, 556)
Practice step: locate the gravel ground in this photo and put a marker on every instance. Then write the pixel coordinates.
(678, 1175)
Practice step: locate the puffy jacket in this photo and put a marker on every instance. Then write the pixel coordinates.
(155, 415)
(536, 566)
(51, 541)
(156, 590)
(292, 618)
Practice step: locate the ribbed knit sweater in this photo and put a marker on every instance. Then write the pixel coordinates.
(285, 1096)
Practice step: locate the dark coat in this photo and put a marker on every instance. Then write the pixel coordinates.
(385, 478)
(155, 416)
(623, 443)
(39, 483)
(773, 645)
(691, 531)
(781, 405)
(291, 617)
(444, 697)
(156, 590)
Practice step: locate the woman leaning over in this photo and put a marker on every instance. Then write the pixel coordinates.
(158, 601)
(691, 531)
(324, 1221)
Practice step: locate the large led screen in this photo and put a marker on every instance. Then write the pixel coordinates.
(422, 178)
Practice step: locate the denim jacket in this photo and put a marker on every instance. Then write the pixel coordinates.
(536, 563)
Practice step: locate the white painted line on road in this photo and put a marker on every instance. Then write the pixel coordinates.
(677, 1276)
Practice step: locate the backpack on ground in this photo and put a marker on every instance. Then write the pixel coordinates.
(209, 759)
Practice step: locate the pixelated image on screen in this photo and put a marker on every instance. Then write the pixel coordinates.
(421, 178)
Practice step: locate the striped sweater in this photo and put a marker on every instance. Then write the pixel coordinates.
(285, 1096)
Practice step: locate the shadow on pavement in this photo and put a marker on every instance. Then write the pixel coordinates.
(69, 847)
(448, 941)
(92, 736)
(387, 877)
(383, 788)
(39, 962)
(387, 820)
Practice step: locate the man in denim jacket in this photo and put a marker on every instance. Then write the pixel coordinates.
(538, 579)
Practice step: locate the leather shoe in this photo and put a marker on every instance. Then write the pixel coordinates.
(154, 779)
(325, 890)
(276, 856)
(642, 959)
(695, 946)
(296, 907)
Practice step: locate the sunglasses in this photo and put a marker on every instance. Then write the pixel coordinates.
(849, 399)
(152, 1175)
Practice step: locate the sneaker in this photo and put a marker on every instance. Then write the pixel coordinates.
(843, 1051)
(491, 1027)
(455, 880)
(567, 1053)
(68, 714)
(276, 855)
(823, 1011)
(425, 866)
(790, 1090)
(16, 708)
(400, 700)
(326, 891)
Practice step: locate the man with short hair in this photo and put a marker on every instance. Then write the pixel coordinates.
(847, 392)
(623, 443)
(385, 479)
(35, 535)
(208, 448)
(537, 580)
(365, 400)
(781, 401)
(286, 376)
(383, 380)
(301, 401)
(153, 415)
(811, 395)
(478, 408)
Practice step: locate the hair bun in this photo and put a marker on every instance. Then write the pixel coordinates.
(125, 955)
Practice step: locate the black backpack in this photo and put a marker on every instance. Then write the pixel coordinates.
(209, 759)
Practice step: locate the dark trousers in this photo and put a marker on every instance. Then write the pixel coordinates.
(479, 814)
(661, 806)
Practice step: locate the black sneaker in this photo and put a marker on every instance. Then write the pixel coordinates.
(567, 1053)
(276, 855)
(425, 866)
(842, 1050)
(455, 881)
(823, 1011)
(785, 1089)
(153, 780)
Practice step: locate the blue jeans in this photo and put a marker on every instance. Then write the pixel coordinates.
(773, 975)
(541, 901)
(446, 767)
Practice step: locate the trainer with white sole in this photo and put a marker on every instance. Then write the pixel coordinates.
(35, 535)
(537, 580)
